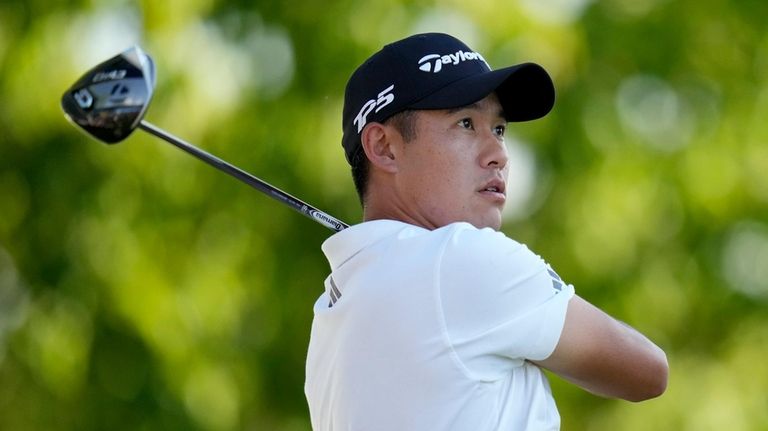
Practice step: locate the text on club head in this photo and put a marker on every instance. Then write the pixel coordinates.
(109, 75)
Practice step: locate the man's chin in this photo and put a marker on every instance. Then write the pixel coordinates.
(491, 221)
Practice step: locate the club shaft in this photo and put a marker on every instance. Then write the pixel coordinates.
(260, 185)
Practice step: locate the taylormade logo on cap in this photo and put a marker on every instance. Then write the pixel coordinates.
(426, 65)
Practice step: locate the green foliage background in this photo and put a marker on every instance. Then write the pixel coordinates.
(143, 290)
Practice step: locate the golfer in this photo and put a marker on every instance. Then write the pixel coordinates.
(431, 318)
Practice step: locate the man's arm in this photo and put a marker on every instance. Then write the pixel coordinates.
(607, 357)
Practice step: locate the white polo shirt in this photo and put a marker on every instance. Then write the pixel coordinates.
(431, 330)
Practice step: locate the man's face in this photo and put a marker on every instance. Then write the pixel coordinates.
(456, 167)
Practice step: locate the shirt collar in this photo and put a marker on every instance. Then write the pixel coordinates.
(343, 245)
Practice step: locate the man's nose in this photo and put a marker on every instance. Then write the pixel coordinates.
(495, 152)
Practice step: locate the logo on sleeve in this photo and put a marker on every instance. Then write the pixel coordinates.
(557, 282)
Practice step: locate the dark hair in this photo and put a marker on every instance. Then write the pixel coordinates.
(405, 124)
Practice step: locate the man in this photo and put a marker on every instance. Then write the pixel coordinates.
(432, 319)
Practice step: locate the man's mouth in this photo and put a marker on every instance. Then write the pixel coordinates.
(494, 189)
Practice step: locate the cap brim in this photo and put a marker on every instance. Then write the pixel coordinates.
(525, 92)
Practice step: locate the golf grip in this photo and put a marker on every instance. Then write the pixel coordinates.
(277, 194)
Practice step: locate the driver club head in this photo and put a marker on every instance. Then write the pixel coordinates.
(110, 100)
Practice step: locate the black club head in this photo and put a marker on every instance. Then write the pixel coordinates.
(110, 100)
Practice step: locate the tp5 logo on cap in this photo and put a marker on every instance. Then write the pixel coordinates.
(453, 59)
(384, 99)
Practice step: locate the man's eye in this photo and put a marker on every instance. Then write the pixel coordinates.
(499, 130)
(465, 123)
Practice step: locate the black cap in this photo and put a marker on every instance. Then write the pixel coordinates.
(437, 71)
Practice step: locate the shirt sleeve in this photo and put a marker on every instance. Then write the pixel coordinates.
(502, 304)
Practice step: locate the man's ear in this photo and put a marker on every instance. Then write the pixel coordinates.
(379, 143)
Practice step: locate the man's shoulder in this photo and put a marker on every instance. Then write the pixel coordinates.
(466, 236)
(459, 237)
(485, 251)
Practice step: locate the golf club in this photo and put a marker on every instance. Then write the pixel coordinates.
(109, 103)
